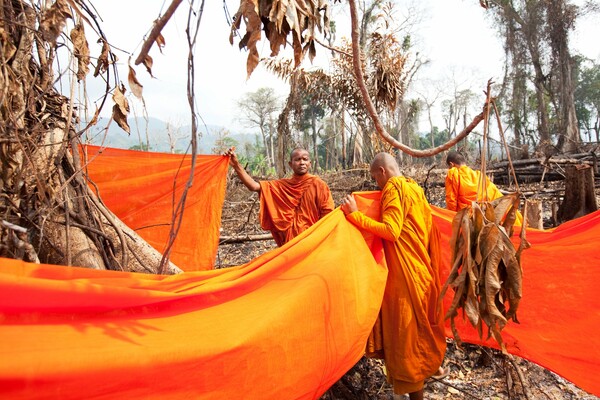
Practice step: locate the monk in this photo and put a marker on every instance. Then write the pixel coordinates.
(412, 323)
(288, 206)
(462, 184)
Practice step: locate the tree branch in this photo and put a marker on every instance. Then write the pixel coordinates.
(156, 30)
(360, 80)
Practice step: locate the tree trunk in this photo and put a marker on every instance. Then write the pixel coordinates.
(580, 198)
(560, 21)
(343, 128)
(313, 125)
(534, 215)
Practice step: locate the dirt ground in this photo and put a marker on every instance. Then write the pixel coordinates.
(475, 372)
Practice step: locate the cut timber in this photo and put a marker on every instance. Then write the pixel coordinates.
(245, 238)
(580, 198)
(534, 214)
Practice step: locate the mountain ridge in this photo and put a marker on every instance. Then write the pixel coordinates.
(158, 136)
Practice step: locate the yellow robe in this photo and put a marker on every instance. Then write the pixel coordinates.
(411, 322)
(290, 206)
(462, 186)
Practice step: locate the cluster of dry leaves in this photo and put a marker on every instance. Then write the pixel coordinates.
(279, 18)
(486, 272)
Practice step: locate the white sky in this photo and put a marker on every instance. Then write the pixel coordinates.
(453, 34)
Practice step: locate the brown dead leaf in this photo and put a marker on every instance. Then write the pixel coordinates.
(148, 62)
(120, 119)
(160, 42)
(486, 274)
(8, 48)
(94, 119)
(280, 18)
(54, 20)
(121, 108)
(135, 86)
(102, 63)
(81, 50)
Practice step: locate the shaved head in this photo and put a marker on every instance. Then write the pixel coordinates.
(384, 167)
(456, 158)
(297, 151)
(387, 161)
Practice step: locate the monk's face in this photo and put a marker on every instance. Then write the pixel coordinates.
(300, 162)
(379, 175)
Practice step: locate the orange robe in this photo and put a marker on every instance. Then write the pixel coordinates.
(462, 184)
(412, 325)
(290, 206)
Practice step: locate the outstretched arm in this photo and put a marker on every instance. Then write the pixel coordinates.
(392, 218)
(246, 179)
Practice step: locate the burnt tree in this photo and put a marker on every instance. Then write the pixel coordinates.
(580, 198)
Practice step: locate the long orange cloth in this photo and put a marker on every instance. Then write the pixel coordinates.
(411, 323)
(285, 326)
(462, 186)
(143, 188)
(290, 206)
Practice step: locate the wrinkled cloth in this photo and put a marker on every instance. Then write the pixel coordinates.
(289, 206)
(142, 189)
(287, 325)
(411, 323)
(462, 186)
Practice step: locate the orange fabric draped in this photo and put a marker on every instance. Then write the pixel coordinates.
(289, 206)
(412, 331)
(285, 326)
(143, 188)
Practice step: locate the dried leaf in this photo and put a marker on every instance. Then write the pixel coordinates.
(280, 18)
(103, 63)
(148, 64)
(120, 118)
(54, 20)
(8, 48)
(486, 273)
(160, 42)
(135, 86)
(120, 100)
(81, 50)
(94, 119)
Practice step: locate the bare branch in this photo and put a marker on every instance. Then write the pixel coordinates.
(156, 30)
(373, 111)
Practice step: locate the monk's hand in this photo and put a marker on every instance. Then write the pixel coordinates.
(233, 160)
(349, 204)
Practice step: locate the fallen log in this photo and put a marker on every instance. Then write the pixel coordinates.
(244, 238)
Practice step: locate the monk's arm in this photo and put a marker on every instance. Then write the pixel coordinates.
(246, 179)
(327, 205)
(452, 191)
(391, 223)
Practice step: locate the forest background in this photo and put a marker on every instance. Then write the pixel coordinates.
(452, 49)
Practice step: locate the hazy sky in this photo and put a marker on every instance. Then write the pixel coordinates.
(453, 34)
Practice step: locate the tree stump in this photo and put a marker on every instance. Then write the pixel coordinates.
(534, 214)
(580, 198)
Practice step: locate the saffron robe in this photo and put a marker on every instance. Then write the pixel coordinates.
(462, 184)
(412, 325)
(290, 206)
